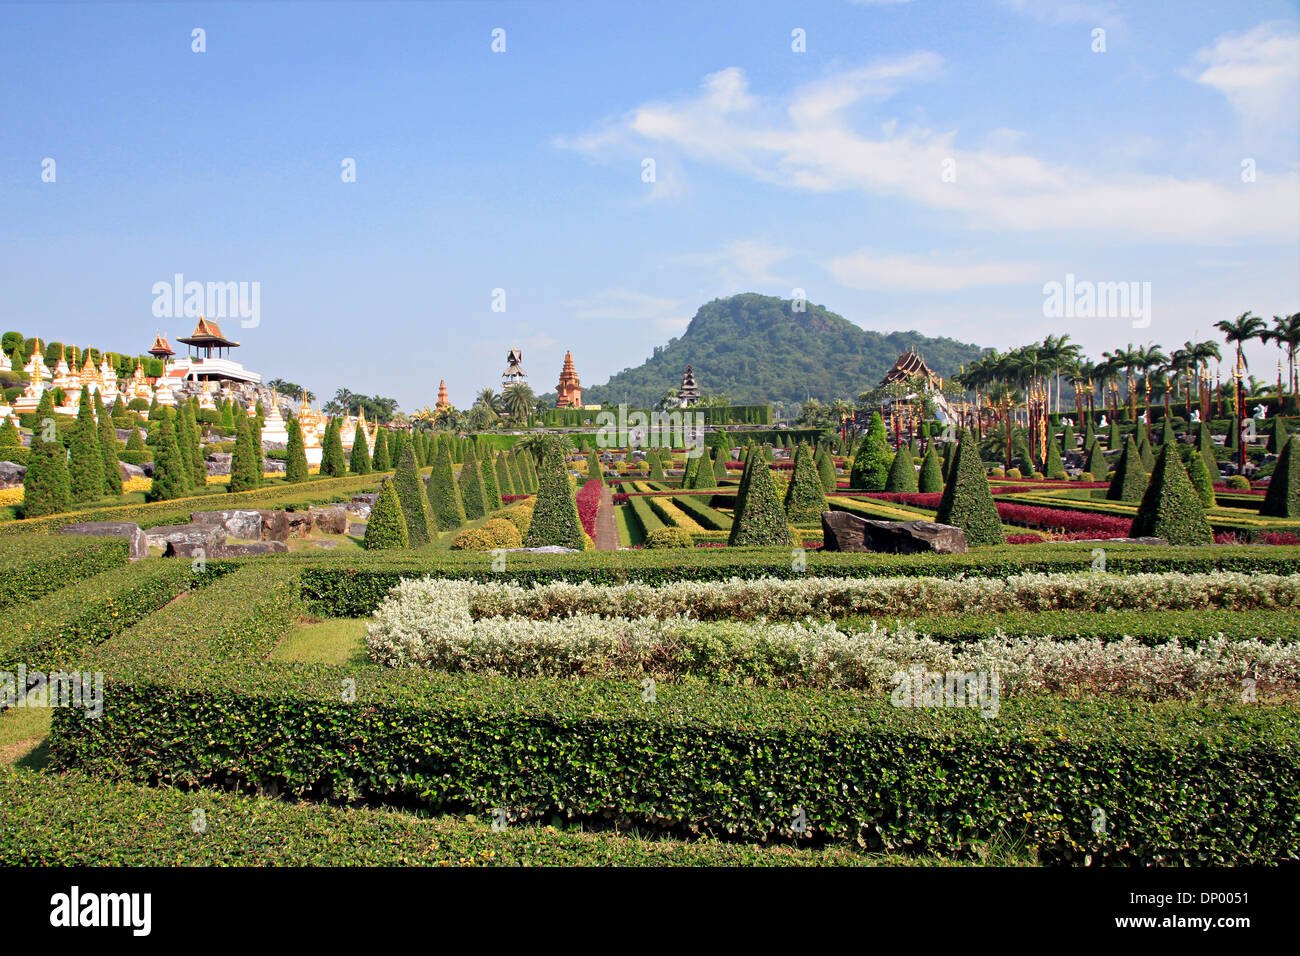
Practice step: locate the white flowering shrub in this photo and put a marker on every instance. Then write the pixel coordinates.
(466, 626)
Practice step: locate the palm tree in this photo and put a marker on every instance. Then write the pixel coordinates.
(424, 417)
(1241, 330)
(1060, 357)
(1286, 333)
(518, 401)
(488, 399)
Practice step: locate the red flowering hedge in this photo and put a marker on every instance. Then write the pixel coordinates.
(588, 498)
(508, 499)
(621, 497)
(1086, 524)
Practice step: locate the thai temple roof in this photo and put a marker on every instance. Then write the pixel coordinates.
(908, 365)
(207, 333)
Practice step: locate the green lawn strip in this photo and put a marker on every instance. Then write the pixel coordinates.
(77, 820)
(629, 529)
(340, 640)
(878, 510)
(24, 732)
(1147, 627)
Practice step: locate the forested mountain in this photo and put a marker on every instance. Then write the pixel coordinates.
(754, 348)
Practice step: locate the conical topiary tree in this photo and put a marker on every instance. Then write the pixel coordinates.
(47, 489)
(1068, 440)
(1144, 452)
(296, 468)
(108, 446)
(1130, 479)
(516, 476)
(11, 442)
(504, 484)
(1113, 437)
(386, 527)
(1205, 443)
(445, 505)
(594, 471)
(244, 472)
(871, 462)
(359, 460)
(1097, 466)
(1167, 433)
(1053, 466)
(656, 465)
(930, 481)
(168, 465)
(826, 470)
(555, 516)
(804, 498)
(332, 462)
(1171, 508)
(688, 474)
(379, 460)
(472, 494)
(410, 492)
(199, 466)
(1277, 435)
(902, 472)
(491, 491)
(720, 456)
(1282, 500)
(1200, 478)
(967, 502)
(759, 519)
(704, 475)
(86, 464)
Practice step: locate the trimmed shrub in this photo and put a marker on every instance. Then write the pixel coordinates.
(594, 471)
(86, 463)
(470, 485)
(359, 462)
(1096, 464)
(1053, 466)
(35, 565)
(1144, 450)
(296, 468)
(332, 461)
(504, 484)
(108, 446)
(1200, 478)
(555, 514)
(447, 507)
(386, 527)
(1239, 483)
(902, 472)
(872, 460)
(930, 481)
(669, 538)
(826, 469)
(1282, 500)
(245, 475)
(379, 460)
(491, 491)
(703, 475)
(760, 520)
(967, 502)
(168, 466)
(656, 465)
(493, 534)
(411, 494)
(804, 498)
(1205, 443)
(1130, 479)
(1171, 508)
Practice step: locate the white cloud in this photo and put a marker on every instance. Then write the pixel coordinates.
(806, 141)
(744, 263)
(866, 270)
(1258, 71)
(625, 305)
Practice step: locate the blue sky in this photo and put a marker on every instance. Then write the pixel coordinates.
(523, 171)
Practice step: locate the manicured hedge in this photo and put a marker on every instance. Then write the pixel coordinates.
(353, 586)
(1178, 784)
(31, 566)
(78, 820)
(705, 516)
(645, 515)
(50, 629)
(177, 510)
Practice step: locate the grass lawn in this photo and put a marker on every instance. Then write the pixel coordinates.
(23, 736)
(629, 529)
(335, 640)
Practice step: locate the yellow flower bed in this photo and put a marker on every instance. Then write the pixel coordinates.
(678, 517)
(11, 496)
(136, 484)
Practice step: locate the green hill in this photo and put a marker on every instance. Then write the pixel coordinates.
(755, 349)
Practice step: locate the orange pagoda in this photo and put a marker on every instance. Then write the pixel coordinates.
(570, 389)
(443, 400)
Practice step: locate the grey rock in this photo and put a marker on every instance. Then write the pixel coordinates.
(237, 524)
(187, 540)
(12, 474)
(275, 525)
(130, 471)
(147, 468)
(842, 531)
(272, 466)
(330, 520)
(247, 550)
(218, 463)
(298, 523)
(113, 529)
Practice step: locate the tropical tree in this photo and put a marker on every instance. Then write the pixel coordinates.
(518, 401)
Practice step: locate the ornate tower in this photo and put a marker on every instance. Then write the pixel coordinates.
(443, 400)
(569, 389)
(514, 373)
(689, 393)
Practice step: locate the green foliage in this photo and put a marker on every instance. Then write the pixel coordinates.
(720, 455)
(1205, 443)
(1277, 434)
(296, 467)
(1144, 451)
(1200, 478)
(491, 490)
(107, 446)
(1130, 479)
(872, 460)
(669, 538)
(517, 481)
(135, 442)
(411, 493)
(379, 460)
(759, 519)
(1096, 464)
(1113, 437)
(445, 502)
(555, 516)
(1053, 466)
(826, 469)
(804, 498)
(930, 481)
(32, 566)
(245, 474)
(386, 527)
(1068, 440)
(86, 464)
(359, 462)
(504, 484)
(168, 466)
(1239, 483)
(472, 495)
(594, 470)
(703, 475)
(1282, 500)
(967, 501)
(1171, 507)
(813, 352)
(332, 461)
(656, 465)
(902, 472)
(199, 468)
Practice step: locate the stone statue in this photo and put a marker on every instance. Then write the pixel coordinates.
(1196, 416)
(1261, 413)
(1104, 423)
(1142, 419)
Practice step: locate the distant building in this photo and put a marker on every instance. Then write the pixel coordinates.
(689, 393)
(569, 389)
(443, 400)
(514, 373)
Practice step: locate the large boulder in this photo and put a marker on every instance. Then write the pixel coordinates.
(129, 471)
(298, 523)
(244, 524)
(12, 474)
(330, 520)
(275, 525)
(361, 505)
(218, 463)
(847, 532)
(187, 540)
(253, 548)
(274, 466)
(113, 529)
